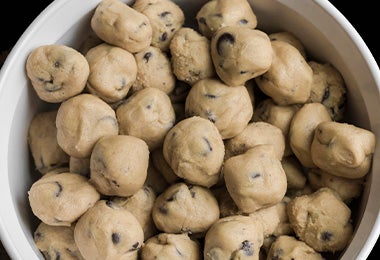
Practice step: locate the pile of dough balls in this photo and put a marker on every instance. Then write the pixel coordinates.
(170, 142)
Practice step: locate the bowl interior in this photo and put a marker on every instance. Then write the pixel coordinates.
(326, 34)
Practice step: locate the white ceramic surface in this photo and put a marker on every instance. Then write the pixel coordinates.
(325, 32)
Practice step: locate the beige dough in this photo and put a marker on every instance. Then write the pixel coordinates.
(119, 24)
(119, 165)
(43, 145)
(81, 121)
(240, 54)
(163, 167)
(112, 72)
(57, 72)
(291, 38)
(155, 179)
(59, 199)
(80, 166)
(230, 109)
(199, 161)
(295, 177)
(99, 238)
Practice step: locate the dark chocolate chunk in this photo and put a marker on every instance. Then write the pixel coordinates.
(57, 64)
(60, 188)
(57, 255)
(123, 83)
(202, 20)
(218, 15)
(115, 238)
(224, 39)
(162, 209)
(164, 14)
(326, 94)
(147, 56)
(135, 246)
(255, 175)
(164, 36)
(243, 21)
(326, 236)
(210, 96)
(243, 72)
(210, 116)
(247, 248)
(115, 183)
(51, 87)
(208, 144)
(109, 203)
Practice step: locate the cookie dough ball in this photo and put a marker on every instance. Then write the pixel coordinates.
(216, 14)
(80, 166)
(119, 165)
(166, 18)
(90, 41)
(301, 131)
(255, 179)
(254, 134)
(295, 176)
(343, 149)
(112, 72)
(240, 54)
(43, 145)
(190, 56)
(200, 160)
(183, 208)
(56, 242)
(147, 114)
(163, 167)
(328, 88)
(321, 220)
(81, 121)
(119, 24)
(276, 115)
(233, 237)
(166, 246)
(230, 109)
(289, 78)
(288, 247)
(140, 205)
(153, 71)
(289, 37)
(107, 231)
(59, 199)
(347, 189)
(57, 72)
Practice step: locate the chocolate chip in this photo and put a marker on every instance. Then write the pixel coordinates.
(60, 188)
(178, 252)
(135, 246)
(115, 183)
(247, 248)
(326, 94)
(109, 203)
(50, 87)
(243, 72)
(224, 39)
(218, 15)
(171, 198)
(208, 144)
(162, 209)
(210, 116)
(37, 235)
(115, 238)
(277, 254)
(57, 255)
(202, 20)
(57, 64)
(326, 236)
(147, 56)
(163, 14)
(163, 37)
(255, 175)
(149, 106)
(243, 21)
(123, 83)
(210, 96)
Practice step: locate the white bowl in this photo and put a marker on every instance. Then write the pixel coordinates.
(325, 32)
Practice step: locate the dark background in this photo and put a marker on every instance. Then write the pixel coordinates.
(363, 15)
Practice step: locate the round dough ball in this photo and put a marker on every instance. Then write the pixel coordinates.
(216, 14)
(343, 149)
(119, 165)
(81, 121)
(240, 54)
(289, 78)
(112, 72)
(107, 231)
(119, 24)
(57, 72)
(255, 179)
(43, 145)
(153, 71)
(289, 37)
(183, 208)
(56, 242)
(194, 149)
(301, 130)
(233, 237)
(147, 114)
(166, 246)
(230, 109)
(166, 18)
(254, 134)
(190, 56)
(59, 199)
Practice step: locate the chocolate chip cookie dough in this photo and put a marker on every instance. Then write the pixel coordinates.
(199, 161)
(148, 114)
(230, 109)
(216, 14)
(81, 121)
(119, 165)
(43, 145)
(255, 179)
(167, 246)
(240, 54)
(183, 208)
(153, 71)
(165, 17)
(119, 24)
(343, 149)
(98, 238)
(291, 38)
(112, 72)
(59, 199)
(190, 56)
(56, 242)
(57, 72)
